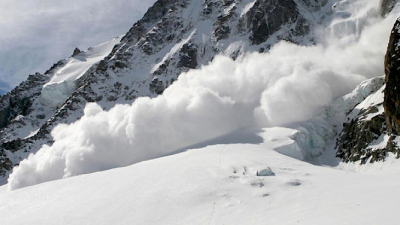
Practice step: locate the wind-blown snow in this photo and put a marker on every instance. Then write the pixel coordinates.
(288, 84)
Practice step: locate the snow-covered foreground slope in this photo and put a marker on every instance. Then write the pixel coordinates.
(217, 184)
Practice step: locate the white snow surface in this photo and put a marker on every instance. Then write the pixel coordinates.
(216, 184)
(247, 8)
(375, 100)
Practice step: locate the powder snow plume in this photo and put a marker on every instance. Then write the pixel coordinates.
(288, 84)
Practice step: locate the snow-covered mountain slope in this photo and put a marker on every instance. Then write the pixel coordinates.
(27, 108)
(285, 86)
(224, 183)
(173, 37)
(150, 57)
(63, 83)
(365, 136)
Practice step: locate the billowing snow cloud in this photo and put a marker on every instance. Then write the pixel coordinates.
(288, 84)
(35, 34)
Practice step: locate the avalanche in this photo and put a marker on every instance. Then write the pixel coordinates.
(214, 147)
(287, 85)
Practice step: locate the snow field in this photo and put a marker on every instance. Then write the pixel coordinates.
(217, 184)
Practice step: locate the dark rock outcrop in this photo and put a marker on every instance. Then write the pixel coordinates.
(15, 106)
(188, 56)
(267, 17)
(358, 134)
(365, 128)
(392, 90)
(19, 100)
(157, 86)
(76, 52)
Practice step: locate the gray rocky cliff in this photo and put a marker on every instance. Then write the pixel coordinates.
(392, 90)
(372, 130)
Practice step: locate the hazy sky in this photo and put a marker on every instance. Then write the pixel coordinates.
(34, 34)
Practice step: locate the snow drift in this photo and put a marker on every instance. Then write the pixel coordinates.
(288, 84)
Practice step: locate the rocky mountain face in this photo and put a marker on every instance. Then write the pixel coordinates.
(18, 111)
(172, 37)
(392, 69)
(364, 136)
(373, 127)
